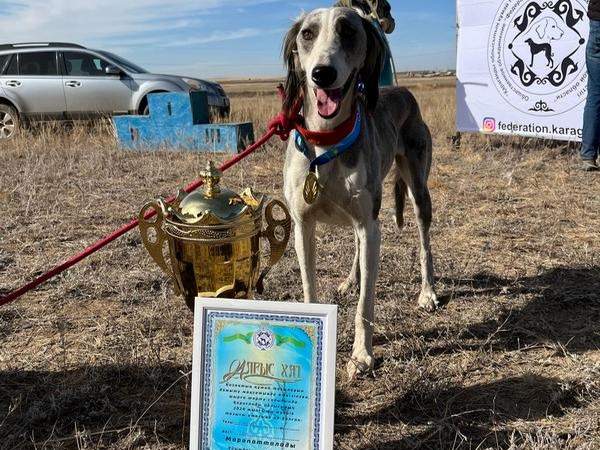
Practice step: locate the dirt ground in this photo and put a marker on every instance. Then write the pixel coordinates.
(100, 357)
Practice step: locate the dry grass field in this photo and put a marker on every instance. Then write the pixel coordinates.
(100, 357)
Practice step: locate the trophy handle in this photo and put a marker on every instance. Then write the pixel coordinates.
(278, 234)
(155, 243)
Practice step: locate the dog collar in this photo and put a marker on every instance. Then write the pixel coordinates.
(328, 138)
(338, 147)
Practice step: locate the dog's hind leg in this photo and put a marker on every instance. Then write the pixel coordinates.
(422, 205)
(304, 235)
(353, 279)
(399, 199)
(415, 172)
(369, 237)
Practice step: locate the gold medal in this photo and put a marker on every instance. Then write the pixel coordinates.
(311, 188)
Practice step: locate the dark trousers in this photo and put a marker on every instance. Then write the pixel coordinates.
(591, 116)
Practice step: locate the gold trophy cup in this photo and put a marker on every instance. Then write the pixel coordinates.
(209, 242)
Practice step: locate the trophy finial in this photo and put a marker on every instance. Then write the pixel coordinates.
(211, 176)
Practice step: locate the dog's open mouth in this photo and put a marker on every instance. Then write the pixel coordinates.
(329, 101)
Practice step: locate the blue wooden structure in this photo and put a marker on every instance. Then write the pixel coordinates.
(180, 121)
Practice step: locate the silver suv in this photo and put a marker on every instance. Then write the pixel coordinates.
(60, 81)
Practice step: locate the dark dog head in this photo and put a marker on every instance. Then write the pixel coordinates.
(327, 52)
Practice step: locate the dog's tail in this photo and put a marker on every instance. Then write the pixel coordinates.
(400, 199)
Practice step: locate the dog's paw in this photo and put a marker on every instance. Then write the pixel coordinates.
(428, 300)
(361, 363)
(348, 286)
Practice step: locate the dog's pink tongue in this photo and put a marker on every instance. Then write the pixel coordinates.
(328, 101)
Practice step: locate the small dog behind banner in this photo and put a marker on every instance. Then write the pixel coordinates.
(180, 121)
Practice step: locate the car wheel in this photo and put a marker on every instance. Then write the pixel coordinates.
(144, 108)
(9, 122)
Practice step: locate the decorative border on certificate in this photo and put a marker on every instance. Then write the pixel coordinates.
(263, 375)
(318, 322)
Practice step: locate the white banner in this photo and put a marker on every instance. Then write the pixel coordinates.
(521, 67)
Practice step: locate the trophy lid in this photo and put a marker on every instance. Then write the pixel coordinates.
(214, 204)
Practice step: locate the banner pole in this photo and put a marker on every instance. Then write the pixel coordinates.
(456, 139)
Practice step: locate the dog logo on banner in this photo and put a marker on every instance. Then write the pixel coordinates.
(537, 55)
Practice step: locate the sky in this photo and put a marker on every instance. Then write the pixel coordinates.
(215, 38)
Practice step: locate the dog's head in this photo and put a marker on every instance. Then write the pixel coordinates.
(549, 30)
(327, 52)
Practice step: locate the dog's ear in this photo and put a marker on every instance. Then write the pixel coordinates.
(295, 78)
(541, 29)
(373, 65)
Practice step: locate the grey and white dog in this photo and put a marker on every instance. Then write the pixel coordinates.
(328, 52)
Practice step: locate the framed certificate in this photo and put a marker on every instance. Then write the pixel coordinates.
(263, 375)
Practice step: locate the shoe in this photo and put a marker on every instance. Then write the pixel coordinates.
(589, 165)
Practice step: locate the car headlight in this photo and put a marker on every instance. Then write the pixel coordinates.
(195, 85)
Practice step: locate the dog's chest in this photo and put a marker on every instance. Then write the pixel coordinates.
(343, 191)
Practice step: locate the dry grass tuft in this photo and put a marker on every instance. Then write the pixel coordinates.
(100, 357)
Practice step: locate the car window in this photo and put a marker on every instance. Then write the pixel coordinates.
(3, 60)
(128, 65)
(78, 64)
(11, 69)
(38, 63)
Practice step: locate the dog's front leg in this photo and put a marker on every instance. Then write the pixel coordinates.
(304, 235)
(353, 279)
(369, 237)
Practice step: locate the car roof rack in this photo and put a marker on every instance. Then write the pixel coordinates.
(26, 45)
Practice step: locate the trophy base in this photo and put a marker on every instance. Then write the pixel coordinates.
(238, 293)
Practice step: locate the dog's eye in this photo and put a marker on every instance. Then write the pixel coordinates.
(308, 35)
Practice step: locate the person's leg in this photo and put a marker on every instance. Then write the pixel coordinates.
(591, 117)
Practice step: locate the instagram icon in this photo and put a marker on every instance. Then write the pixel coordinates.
(489, 125)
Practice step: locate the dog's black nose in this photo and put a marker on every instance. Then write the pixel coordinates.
(324, 76)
